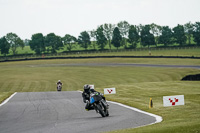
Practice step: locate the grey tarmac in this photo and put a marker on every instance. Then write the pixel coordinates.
(63, 112)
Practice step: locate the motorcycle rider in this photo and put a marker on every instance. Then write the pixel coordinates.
(59, 82)
(86, 97)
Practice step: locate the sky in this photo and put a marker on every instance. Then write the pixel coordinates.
(28, 17)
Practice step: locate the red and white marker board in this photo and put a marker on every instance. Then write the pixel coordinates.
(91, 86)
(109, 91)
(173, 100)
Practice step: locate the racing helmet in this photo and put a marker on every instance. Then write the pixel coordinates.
(86, 88)
(59, 81)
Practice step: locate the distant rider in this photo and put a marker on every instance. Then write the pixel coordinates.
(59, 82)
(86, 96)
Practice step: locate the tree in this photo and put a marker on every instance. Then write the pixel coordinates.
(4, 46)
(196, 33)
(123, 28)
(26, 42)
(69, 41)
(147, 38)
(108, 31)
(117, 38)
(189, 28)
(139, 29)
(156, 31)
(93, 36)
(166, 36)
(37, 43)
(133, 36)
(14, 42)
(53, 42)
(101, 39)
(179, 35)
(84, 39)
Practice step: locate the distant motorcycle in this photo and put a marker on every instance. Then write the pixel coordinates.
(59, 87)
(99, 104)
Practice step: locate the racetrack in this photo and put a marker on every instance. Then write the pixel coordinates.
(63, 112)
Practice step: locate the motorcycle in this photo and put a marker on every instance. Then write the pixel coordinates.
(59, 87)
(99, 104)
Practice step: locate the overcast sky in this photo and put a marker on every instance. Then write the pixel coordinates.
(27, 17)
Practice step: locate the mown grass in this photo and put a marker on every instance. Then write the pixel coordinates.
(181, 119)
(156, 52)
(135, 86)
(160, 61)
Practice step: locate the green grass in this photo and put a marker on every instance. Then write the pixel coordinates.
(159, 61)
(134, 85)
(158, 52)
(4, 95)
(194, 52)
(25, 50)
(179, 119)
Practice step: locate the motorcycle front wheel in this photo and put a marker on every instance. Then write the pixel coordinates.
(107, 113)
(101, 111)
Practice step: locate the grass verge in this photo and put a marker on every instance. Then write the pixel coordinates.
(5, 95)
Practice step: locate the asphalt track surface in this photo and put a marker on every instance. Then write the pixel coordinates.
(63, 112)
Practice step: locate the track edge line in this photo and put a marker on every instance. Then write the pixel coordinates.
(5, 101)
(158, 118)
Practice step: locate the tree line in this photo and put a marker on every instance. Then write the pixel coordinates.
(121, 34)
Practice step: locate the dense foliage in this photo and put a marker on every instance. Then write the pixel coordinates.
(147, 38)
(4, 45)
(117, 38)
(133, 36)
(84, 40)
(14, 42)
(101, 39)
(120, 35)
(37, 43)
(166, 36)
(196, 33)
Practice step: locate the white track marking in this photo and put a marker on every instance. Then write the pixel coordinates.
(5, 101)
(158, 118)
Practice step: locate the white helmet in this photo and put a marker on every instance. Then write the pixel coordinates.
(59, 81)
